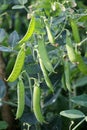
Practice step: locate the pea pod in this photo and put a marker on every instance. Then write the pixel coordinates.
(63, 82)
(36, 104)
(75, 31)
(81, 65)
(21, 99)
(18, 65)
(70, 49)
(44, 55)
(29, 32)
(50, 36)
(67, 75)
(45, 74)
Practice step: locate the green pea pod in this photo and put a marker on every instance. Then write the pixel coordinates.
(44, 55)
(21, 99)
(81, 65)
(36, 104)
(45, 74)
(18, 65)
(50, 36)
(63, 82)
(70, 49)
(75, 31)
(17, 24)
(29, 31)
(67, 75)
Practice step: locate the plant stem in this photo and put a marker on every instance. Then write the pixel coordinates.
(5, 13)
(72, 122)
(38, 126)
(30, 85)
(70, 104)
(82, 41)
(61, 30)
(78, 124)
(26, 9)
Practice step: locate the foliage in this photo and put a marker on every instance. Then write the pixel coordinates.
(49, 31)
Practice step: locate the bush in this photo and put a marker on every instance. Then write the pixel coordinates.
(43, 68)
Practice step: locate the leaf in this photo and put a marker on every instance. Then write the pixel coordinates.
(27, 101)
(80, 100)
(32, 68)
(22, 2)
(3, 125)
(72, 114)
(13, 38)
(29, 32)
(29, 118)
(3, 7)
(46, 5)
(18, 7)
(2, 88)
(5, 49)
(39, 27)
(86, 118)
(2, 34)
(80, 82)
(53, 99)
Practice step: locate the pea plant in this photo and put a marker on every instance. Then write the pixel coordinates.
(46, 65)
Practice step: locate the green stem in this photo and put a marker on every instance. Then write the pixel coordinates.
(5, 13)
(38, 126)
(26, 9)
(28, 125)
(9, 103)
(71, 125)
(30, 85)
(70, 104)
(61, 30)
(82, 41)
(78, 124)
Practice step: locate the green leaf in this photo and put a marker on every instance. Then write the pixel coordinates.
(22, 1)
(80, 82)
(72, 114)
(6, 49)
(32, 68)
(18, 7)
(3, 7)
(53, 99)
(3, 125)
(39, 26)
(2, 34)
(80, 100)
(13, 38)
(86, 118)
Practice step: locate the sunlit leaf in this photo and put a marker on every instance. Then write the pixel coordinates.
(72, 114)
(18, 7)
